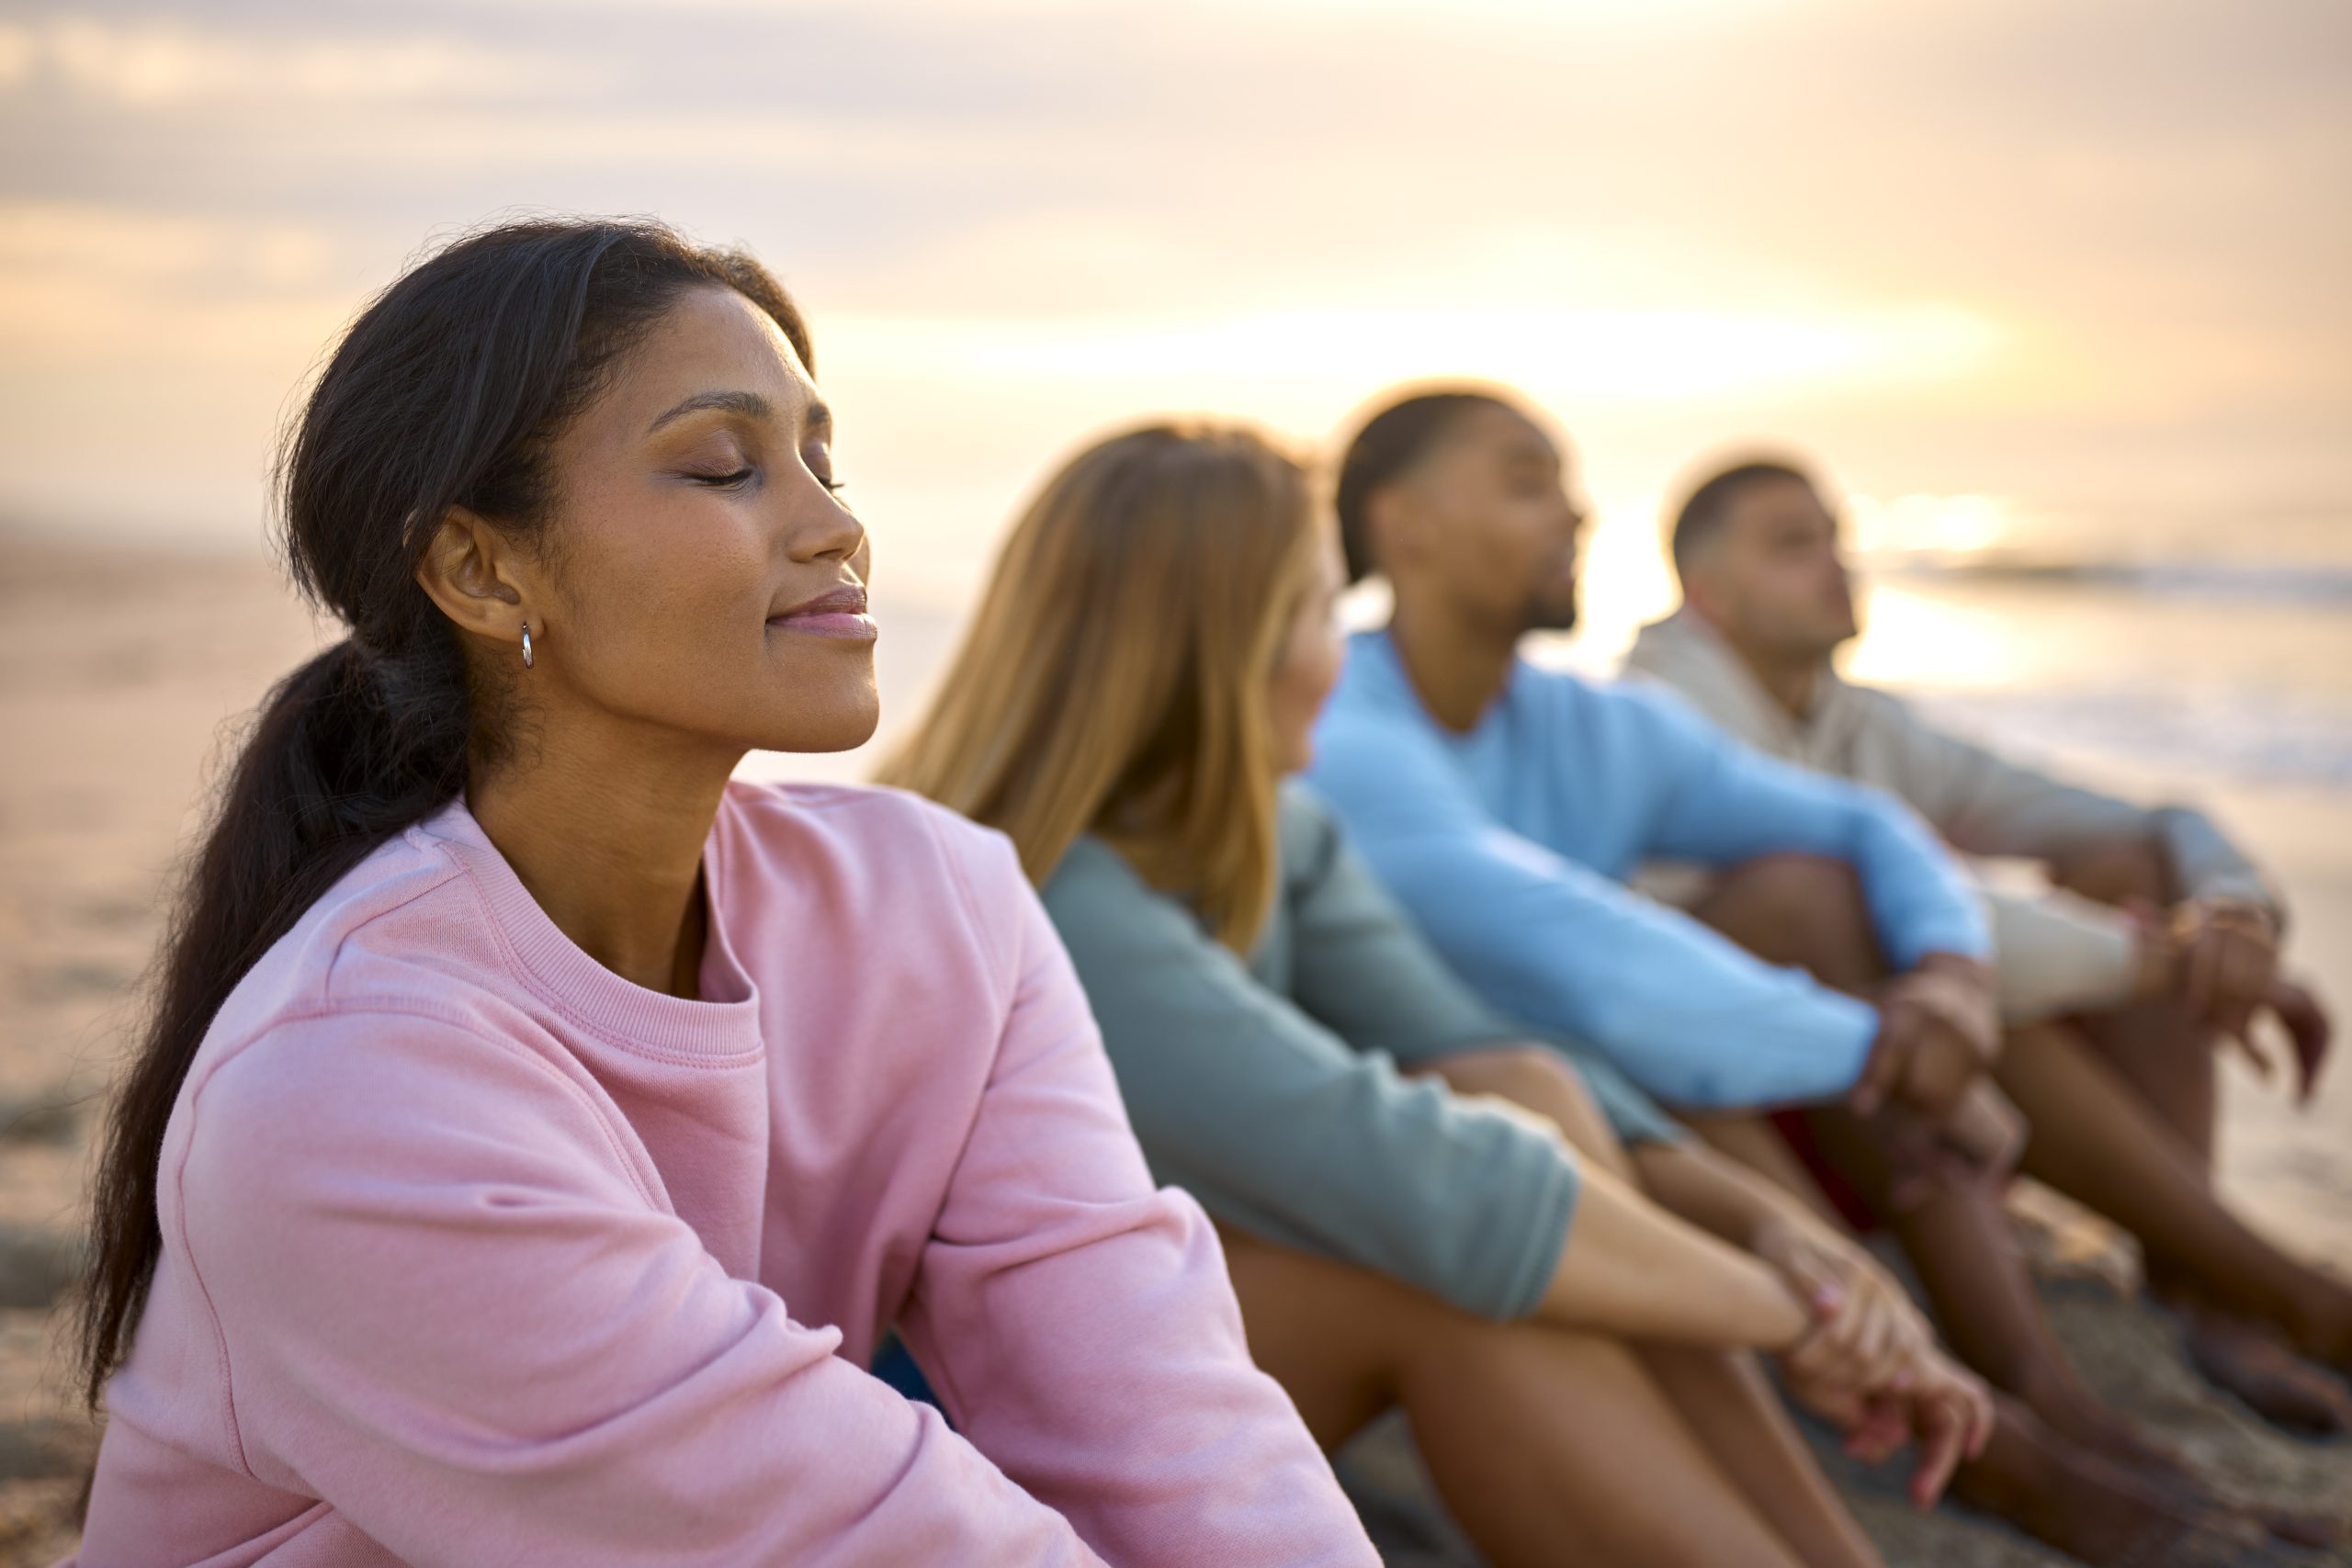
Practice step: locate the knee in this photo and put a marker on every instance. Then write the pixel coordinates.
(2115, 871)
(1542, 1080)
(1801, 908)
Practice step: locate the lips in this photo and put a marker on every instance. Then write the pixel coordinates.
(838, 612)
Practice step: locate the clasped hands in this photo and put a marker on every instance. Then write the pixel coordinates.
(1869, 1364)
(2219, 957)
(1940, 1027)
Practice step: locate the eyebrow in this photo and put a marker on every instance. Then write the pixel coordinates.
(749, 405)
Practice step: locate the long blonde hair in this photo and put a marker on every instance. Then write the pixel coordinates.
(1114, 680)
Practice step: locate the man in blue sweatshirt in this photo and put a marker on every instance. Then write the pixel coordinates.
(1839, 959)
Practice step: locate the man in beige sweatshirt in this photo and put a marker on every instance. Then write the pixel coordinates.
(2153, 936)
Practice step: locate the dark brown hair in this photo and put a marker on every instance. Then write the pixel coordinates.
(1391, 442)
(446, 392)
(1709, 506)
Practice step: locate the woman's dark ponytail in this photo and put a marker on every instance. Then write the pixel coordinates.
(446, 392)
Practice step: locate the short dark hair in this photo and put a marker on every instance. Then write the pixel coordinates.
(1391, 442)
(1704, 515)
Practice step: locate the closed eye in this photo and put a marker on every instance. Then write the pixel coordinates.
(723, 481)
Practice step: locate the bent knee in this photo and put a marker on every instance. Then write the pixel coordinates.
(2115, 871)
(1544, 1081)
(1796, 908)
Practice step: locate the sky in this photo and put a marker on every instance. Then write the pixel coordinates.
(1997, 265)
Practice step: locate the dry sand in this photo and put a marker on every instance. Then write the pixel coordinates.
(121, 673)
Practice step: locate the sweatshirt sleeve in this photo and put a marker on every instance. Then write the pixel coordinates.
(1079, 1325)
(1358, 966)
(1688, 1016)
(450, 1306)
(1278, 1126)
(1986, 805)
(1723, 802)
(2056, 953)
(1363, 971)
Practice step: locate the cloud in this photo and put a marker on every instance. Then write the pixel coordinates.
(158, 64)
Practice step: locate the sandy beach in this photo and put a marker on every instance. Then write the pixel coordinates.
(123, 669)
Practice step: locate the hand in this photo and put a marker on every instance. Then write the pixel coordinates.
(1938, 1027)
(1987, 1128)
(2237, 941)
(2309, 1033)
(1944, 1408)
(2228, 956)
(1864, 1328)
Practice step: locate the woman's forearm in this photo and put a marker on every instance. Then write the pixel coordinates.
(1630, 1269)
(1718, 1195)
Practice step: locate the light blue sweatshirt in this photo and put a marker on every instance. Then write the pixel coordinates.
(1510, 846)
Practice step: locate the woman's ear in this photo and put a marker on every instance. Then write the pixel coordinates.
(476, 575)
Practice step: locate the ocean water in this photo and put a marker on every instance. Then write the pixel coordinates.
(2216, 657)
(2213, 656)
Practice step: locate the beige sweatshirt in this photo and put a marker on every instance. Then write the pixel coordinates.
(2056, 953)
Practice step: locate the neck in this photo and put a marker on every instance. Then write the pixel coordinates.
(1788, 681)
(1458, 666)
(606, 832)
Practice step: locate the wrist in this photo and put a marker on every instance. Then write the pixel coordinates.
(1959, 966)
(2158, 971)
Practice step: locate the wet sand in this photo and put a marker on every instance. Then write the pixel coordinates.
(122, 673)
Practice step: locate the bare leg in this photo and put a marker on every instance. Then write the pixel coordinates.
(1724, 1398)
(2121, 1160)
(2166, 1057)
(1750, 1140)
(2158, 1047)
(1810, 912)
(2116, 1157)
(1958, 1239)
(1548, 1446)
(2069, 1499)
(2046, 1485)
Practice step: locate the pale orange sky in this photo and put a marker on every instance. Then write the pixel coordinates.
(2087, 258)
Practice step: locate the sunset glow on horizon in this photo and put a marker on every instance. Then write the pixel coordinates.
(1955, 251)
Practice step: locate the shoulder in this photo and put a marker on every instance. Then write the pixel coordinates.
(1647, 712)
(407, 910)
(1115, 923)
(341, 1098)
(1306, 829)
(894, 840)
(875, 860)
(1092, 879)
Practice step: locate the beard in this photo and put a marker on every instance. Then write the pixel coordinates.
(1554, 612)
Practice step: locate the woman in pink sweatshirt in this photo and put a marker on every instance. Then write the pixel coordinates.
(537, 1131)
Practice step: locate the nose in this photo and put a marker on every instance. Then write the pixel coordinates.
(825, 530)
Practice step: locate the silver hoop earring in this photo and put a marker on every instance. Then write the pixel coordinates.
(526, 645)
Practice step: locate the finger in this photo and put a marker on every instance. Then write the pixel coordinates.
(1942, 1435)
(1816, 1278)
(2245, 969)
(1883, 1067)
(2236, 1025)
(2198, 990)
(2308, 1033)
(1878, 1355)
(1982, 1415)
(1811, 1359)
(1840, 1360)
(1879, 1431)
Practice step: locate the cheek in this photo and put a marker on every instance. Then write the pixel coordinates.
(656, 588)
(1309, 670)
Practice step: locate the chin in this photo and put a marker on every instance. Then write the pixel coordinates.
(833, 726)
(1559, 617)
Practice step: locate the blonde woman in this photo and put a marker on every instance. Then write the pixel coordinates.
(1144, 669)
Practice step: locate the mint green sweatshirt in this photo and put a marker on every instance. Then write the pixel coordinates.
(1271, 1089)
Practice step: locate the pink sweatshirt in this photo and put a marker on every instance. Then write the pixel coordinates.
(475, 1253)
